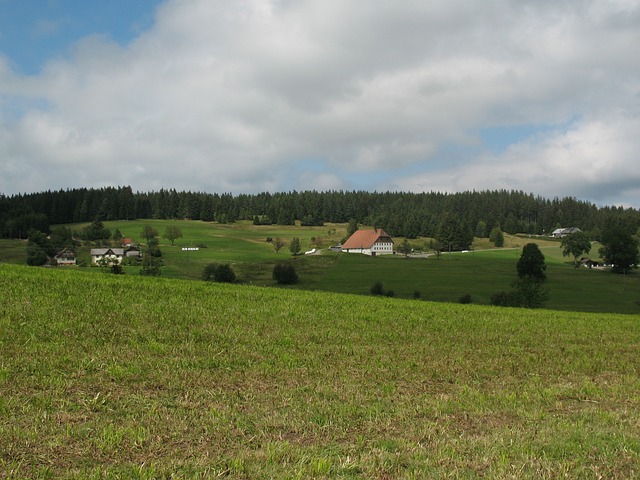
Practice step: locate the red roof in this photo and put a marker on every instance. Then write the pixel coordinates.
(366, 238)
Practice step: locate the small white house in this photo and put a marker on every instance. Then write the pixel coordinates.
(369, 242)
(110, 256)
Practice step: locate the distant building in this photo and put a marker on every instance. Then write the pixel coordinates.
(563, 232)
(65, 257)
(132, 251)
(111, 256)
(369, 242)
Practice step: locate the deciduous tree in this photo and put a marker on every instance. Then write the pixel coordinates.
(575, 244)
(531, 263)
(172, 233)
(619, 246)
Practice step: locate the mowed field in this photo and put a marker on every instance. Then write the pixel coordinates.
(479, 273)
(105, 376)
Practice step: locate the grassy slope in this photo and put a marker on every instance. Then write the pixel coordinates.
(480, 274)
(119, 376)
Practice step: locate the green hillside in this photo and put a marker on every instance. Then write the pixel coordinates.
(479, 273)
(105, 376)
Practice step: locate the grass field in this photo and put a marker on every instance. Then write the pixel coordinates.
(105, 376)
(479, 273)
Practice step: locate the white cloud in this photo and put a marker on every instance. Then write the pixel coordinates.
(222, 96)
(595, 160)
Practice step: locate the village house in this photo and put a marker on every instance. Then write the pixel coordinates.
(369, 242)
(563, 232)
(110, 256)
(65, 257)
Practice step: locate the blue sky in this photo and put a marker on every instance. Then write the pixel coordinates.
(34, 31)
(275, 95)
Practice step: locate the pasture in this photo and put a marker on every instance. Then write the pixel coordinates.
(105, 376)
(479, 273)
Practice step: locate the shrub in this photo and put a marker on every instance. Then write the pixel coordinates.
(503, 299)
(218, 273)
(224, 274)
(377, 289)
(465, 299)
(116, 269)
(285, 274)
(417, 295)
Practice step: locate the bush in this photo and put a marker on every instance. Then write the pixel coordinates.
(377, 289)
(417, 295)
(218, 273)
(503, 299)
(224, 274)
(285, 274)
(465, 299)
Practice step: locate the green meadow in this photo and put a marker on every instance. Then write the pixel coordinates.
(479, 273)
(105, 376)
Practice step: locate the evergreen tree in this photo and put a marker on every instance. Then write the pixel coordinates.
(294, 246)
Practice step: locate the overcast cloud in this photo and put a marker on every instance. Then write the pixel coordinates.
(258, 95)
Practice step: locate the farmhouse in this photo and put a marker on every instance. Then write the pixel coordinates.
(563, 232)
(370, 242)
(65, 257)
(106, 255)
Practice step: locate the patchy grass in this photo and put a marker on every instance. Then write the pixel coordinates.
(118, 376)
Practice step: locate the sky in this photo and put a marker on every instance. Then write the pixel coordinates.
(247, 96)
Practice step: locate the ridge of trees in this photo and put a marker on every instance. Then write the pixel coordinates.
(399, 213)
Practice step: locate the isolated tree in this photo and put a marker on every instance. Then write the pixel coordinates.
(294, 246)
(277, 244)
(496, 237)
(619, 246)
(148, 232)
(285, 274)
(575, 244)
(531, 263)
(172, 233)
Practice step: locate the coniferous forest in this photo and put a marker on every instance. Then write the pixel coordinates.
(399, 213)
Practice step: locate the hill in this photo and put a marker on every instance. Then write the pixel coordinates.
(479, 273)
(105, 376)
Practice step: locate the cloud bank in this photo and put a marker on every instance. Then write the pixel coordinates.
(256, 95)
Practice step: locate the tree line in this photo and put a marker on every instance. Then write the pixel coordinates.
(472, 213)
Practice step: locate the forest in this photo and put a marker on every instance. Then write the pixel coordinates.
(401, 214)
